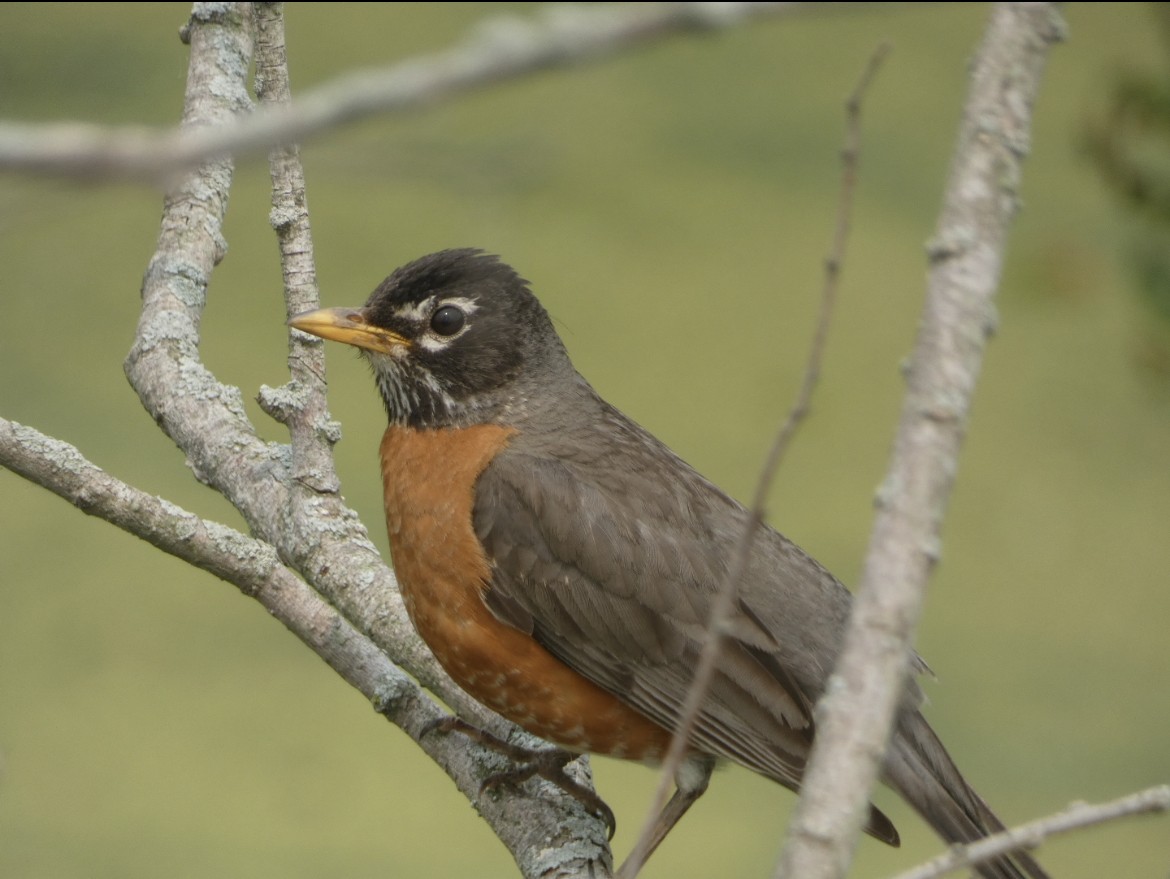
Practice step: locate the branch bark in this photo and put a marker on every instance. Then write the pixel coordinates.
(966, 260)
(250, 565)
(292, 502)
(500, 48)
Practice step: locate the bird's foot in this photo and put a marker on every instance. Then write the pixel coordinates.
(548, 763)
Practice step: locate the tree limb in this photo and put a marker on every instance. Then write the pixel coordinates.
(500, 48)
(313, 532)
(249, 564)
(857, 712)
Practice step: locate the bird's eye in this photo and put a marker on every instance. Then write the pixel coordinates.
(448, 320)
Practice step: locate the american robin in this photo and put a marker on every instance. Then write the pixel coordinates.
(561, 562)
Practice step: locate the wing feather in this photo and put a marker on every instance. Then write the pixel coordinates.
(590, 578)
(611, 559)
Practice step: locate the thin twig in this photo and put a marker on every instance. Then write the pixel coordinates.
(857, 712)
(500, 48)
(300, 405)
(729, 589)
(1032, 834)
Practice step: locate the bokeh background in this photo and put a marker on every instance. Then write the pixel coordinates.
(672, 207)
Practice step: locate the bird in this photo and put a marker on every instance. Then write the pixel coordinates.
(561, 562)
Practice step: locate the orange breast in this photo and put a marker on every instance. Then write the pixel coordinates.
(429, 481)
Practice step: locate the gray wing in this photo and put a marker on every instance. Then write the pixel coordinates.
(612, 565)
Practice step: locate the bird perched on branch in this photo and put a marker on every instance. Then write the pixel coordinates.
(561, 562)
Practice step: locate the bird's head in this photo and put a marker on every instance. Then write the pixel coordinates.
(454, 338)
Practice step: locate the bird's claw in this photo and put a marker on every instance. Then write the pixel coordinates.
(548, 763)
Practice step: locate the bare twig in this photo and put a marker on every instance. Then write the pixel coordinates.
(857, 712)
(728, 591)
(500, 48)
(1030, 835)
(300, 405)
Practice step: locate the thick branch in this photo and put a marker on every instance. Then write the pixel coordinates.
(206, 418)
(966, 260)
(249, 564)
(253, 567)
(498, 49)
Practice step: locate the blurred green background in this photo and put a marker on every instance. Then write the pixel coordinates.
(672, 207)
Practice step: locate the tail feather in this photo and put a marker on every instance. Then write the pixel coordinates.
(919, 768)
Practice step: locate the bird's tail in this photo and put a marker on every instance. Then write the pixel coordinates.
(919, 768)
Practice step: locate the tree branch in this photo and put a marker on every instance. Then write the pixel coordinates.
(966, 257)
(309, 526)
(500, 48)
(252, 566)
(249, 564)
(1030, 835)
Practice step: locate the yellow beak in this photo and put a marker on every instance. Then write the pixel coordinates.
(349, 325)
